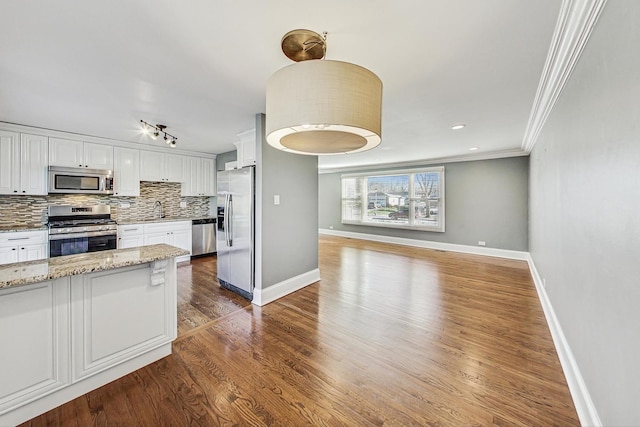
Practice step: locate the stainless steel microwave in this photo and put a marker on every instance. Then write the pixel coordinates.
(80, 180)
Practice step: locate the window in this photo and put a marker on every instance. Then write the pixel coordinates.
(402, 199)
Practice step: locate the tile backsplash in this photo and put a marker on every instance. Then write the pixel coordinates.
(29, 210)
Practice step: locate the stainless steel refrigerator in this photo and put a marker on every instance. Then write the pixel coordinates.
(235, 238)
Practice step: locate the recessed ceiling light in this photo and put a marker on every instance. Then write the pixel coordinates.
(473, 148)
(458, 126)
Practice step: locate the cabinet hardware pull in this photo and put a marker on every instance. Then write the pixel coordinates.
(18, 238)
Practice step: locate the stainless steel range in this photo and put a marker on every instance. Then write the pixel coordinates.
(80, 229)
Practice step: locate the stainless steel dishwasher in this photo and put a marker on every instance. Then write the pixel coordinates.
(203, 236)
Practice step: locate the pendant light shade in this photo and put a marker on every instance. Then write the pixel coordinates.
(320, 107)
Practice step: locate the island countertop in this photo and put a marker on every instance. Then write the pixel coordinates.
(24, 273)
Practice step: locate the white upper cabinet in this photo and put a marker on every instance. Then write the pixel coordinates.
(246, 148)
(23, 164)
(126, 171)
(164, 167)
(200, 177)
(79, 154)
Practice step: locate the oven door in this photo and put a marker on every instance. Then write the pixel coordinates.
(81, 244)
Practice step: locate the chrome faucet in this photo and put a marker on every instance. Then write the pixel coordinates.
(157, 204)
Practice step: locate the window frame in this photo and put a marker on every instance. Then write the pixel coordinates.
(362, 197)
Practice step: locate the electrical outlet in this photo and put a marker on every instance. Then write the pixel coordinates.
(276, 199)
(331, 227)
(482, 243)
(125, 205)
(183, 204)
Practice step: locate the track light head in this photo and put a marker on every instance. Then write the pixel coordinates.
(154, 132)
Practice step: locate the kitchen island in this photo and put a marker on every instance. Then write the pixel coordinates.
(71, 324)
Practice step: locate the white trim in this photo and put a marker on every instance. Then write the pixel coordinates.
(579, 393)
(265, 296)
(427, 244)
(502, 154)
(573, 28)
(581, 398)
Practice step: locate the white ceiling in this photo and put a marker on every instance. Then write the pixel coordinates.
(201, 66)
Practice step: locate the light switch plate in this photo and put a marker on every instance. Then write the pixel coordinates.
(183, 204)
(276, 199)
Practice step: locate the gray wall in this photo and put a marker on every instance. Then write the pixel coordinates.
(222, 158)
(485, 200)
(289, 240)
(585, 213)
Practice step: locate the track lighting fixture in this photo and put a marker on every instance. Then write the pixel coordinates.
(154, 132)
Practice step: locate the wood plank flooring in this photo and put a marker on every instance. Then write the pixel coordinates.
(391, 335)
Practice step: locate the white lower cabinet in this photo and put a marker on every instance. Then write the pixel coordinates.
(56, 334)
(174, 233)
(23, 246)
(35, 350)
(117, 314)
(130, 236)
(177, 233)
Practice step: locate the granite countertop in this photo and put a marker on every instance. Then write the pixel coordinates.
(23, 227)
(166, 219)
(24, 273)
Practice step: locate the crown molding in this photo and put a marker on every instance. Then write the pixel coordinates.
(53, 133)
(516, 152)
(573, 28)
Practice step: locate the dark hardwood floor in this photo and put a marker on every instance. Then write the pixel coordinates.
(391, 335)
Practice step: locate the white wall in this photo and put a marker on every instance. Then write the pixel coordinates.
(584, 233)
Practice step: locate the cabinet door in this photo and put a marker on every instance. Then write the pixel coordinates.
(156, 238)
(66, 152)
(207, 185)
(192, 177)
(246, 148)
(34, 324)
(130, 241)
(32, 252)
(174, 168)
(117, 314)
(151, 166)
(126, 171)
(8, 254)
(9, 163)
(182, 239)
(34, 159)
(98, 156)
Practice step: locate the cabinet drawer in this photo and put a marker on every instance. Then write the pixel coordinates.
(23, 237)
(130, 230)
(160, 227)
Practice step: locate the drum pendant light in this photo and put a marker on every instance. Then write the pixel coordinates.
(321, 107)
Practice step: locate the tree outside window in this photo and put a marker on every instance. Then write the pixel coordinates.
(401, 199)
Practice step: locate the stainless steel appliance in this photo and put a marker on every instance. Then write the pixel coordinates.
(235, 239)
(80, 229)
(203, 236)
(80, 180)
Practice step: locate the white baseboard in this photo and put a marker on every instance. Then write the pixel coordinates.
(265, 296)
(579, 393)
(581, 398)
(452, 247)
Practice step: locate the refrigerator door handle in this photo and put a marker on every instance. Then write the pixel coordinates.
(226, 219)
(230, 222)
